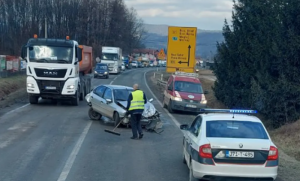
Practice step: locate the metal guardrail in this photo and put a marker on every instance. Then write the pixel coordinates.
(161, 82)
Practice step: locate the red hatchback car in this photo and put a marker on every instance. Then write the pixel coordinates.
(184, 92)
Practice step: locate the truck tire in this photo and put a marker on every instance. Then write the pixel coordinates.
(75, 101)
(94, 115)
(33, 99)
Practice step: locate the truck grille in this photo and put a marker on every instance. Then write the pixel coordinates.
(55, 73)
(47, 86)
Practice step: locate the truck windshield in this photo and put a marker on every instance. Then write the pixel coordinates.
(190, 87)
(110, 56)
(51, 54)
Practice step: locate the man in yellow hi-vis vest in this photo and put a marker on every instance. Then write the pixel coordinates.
(135, 106)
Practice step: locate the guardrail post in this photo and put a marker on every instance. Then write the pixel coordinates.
(161, 76)
(154, 74)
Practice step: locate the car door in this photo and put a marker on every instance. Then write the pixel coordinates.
(96, 99)
(108, 106)
(192, 146)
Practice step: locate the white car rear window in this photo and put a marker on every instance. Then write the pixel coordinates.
(235, 129)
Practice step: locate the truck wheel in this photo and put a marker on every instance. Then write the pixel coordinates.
(170, 107)
(94, 115)
(116, 118)
(75, 101)
(33, 99)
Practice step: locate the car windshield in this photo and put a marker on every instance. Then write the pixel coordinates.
(110, 56)
(235, 129)
(122, 94)
(50, 54)
(101, 67)
(189, 87)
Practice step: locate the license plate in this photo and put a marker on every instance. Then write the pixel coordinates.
(50, 88)
(239, 154)
(191, 106)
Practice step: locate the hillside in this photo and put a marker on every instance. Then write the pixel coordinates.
(157, 38)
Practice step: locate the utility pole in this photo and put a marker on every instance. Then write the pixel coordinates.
(45, 27)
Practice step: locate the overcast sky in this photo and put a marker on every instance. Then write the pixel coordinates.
(204, 14)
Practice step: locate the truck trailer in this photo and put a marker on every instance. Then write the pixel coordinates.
(57, 69)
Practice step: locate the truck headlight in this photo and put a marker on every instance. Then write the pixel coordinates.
(70, 87)
(30, 85)
(177, 99)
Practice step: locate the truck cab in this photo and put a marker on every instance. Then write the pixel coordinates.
(112, 56)
(54, 71)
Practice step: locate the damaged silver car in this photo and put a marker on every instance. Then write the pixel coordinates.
(111, 101)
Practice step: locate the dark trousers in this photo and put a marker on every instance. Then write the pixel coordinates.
(136, 126)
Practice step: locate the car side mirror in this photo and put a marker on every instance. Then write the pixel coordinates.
(108, 101)
(184, 127)
(79, 54)
(24, 53)
(150, 100)
(206, 92)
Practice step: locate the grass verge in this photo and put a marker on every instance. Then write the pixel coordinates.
(11, 88)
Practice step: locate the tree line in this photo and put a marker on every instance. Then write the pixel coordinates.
(257, 66)
(94, 23)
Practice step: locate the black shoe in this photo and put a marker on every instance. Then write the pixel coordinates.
(134, 138)
(141, 136)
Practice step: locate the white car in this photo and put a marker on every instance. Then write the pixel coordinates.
(134, 64)
(223, 143)
(123, 67)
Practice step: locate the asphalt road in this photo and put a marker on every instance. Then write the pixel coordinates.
(58, 142)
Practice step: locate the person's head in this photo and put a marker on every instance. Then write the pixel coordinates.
(135, 86)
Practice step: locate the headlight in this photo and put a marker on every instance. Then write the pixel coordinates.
(105, 72)
(70, 87)
(30, 85)
(177, 99)
(204, 102)
(96, 72)
(116, 69)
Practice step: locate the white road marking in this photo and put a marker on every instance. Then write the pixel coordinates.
(12, 111)
(170, 115)
(66, 170)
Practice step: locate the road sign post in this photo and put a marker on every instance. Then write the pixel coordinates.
(181, 49)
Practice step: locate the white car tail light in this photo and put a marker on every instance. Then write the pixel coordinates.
(273, 153)
(205, 151)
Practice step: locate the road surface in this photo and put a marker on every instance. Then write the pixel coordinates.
(58, 142)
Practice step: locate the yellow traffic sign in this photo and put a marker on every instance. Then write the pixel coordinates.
(161, 55)
(181, 48)
(187, 70)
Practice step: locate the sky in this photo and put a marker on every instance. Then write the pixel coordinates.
(204, 14)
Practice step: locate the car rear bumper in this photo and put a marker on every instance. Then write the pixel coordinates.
(185, 106)
(230, 170)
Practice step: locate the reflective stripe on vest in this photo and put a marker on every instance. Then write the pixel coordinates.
(137, 101)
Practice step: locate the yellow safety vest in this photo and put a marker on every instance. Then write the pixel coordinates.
(137, 101)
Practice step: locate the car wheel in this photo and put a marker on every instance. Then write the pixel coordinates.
(94, 115)
(170, 109)
(164, 104)
(116, 118)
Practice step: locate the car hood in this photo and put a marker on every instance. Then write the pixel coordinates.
(122, 103)
(189, 96)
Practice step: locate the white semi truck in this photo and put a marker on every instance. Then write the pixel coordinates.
(112, 56)
(57, 69)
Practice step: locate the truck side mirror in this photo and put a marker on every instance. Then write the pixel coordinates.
(79, 54)
(24, 53)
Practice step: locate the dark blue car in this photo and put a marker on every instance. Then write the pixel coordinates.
(101, 70)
